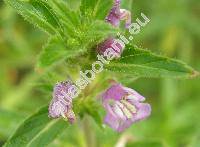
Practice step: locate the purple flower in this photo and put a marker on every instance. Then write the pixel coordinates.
(61, 104)
(114, 17)
(108, 43)
(116, 14)
(124, 107)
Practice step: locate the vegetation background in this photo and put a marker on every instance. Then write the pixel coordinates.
(174, 31)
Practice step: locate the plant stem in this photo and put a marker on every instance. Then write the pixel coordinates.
(89, 133)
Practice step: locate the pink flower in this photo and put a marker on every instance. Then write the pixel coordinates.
(124, 107)
(116, 15)
(61, 104)
(102, 47)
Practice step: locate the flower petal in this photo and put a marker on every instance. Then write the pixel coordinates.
(123, 106)
(134, 94)
(119, 111)
(107, 44)
(111, 121)
(114, 15)
(125, 15)
(61, 104)
(115, 92)
(144, 110)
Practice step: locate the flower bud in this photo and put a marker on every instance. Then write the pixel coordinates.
(110, 43)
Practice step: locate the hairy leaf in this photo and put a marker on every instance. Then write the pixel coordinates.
(97, 32)
(55, 51)
(39, 13)
(96, 8)
(68, 17)
(143, 63)
(38, 130)
(101, 29)
(9, 122)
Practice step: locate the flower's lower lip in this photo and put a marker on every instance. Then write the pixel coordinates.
(118, 111)
(129, 106)
(124, 107)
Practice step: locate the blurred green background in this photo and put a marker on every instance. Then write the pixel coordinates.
(174, 31)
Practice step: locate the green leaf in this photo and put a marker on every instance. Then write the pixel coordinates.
(143, 63)
(38, 130)
(9, 122)
(69, 18)
(102, 9)
(63, 10)
(54, 51)
(38, 13)
(101, 29)
(96, 8)
(97, 32)
(57, 50)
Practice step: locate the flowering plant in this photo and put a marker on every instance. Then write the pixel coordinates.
(77, 37)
